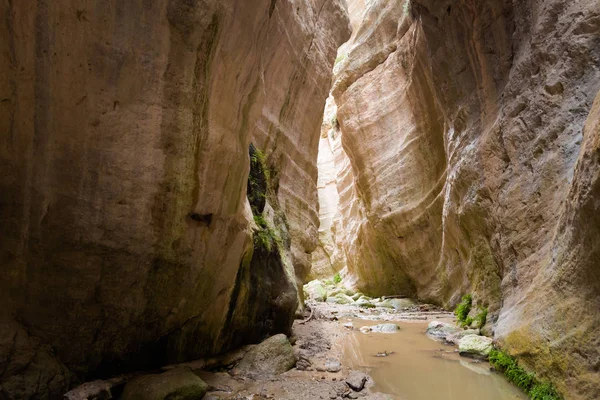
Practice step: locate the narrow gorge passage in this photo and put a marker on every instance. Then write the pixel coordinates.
(216, 199)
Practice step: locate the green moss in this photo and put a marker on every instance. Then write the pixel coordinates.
(258, 180)
(481, 317)
(337, 278)
(528, 382)
(463, 309)
(265, 238)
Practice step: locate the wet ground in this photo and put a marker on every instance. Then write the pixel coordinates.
(410, 366)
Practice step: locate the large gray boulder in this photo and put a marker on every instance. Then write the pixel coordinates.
(475, 346)
(271, 357)
(455, 337)
(176, 384)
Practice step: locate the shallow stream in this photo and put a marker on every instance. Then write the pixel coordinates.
(420, 368)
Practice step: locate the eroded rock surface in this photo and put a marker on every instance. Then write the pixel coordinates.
(468, 167)
(127, 238)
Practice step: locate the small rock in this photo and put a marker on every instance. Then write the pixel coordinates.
(441, 330)
(179, 383)
(333, 366)
(475, 346)
(348, 325)
(381, 328)
(365, 329)
(356, 380)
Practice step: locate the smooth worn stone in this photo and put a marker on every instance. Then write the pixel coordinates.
(316, 290)
(179, 383)
(271, 357)
(356, 380)
(333, 366)
(441, 330)
(340, 298)
(454, 338)
(475, 346)
(380, 328)
(385, 328)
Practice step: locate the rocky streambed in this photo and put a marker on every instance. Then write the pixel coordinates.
(344, 345)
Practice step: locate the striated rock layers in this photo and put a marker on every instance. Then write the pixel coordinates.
(475, 171)
(126, 233)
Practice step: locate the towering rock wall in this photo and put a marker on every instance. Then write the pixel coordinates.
(463, 122)
(126, 234)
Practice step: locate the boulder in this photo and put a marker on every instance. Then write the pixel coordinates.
(364, 302)
(271, 357)
(356, 380)
(455, 337)
(401, 304)
(316, 290)
(441, 330)
(340, 298)
(179, 383)
(475, 346)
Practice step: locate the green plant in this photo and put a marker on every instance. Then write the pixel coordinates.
(526, 381)
(463, 309)
(340, 58)
(337, 278)
(258, 180)
(406, 7)
(544, 391)
(265, 237)
(481, 317)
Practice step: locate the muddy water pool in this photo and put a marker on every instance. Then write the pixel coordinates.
(419, 368)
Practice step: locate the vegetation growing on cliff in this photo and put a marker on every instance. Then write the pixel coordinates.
(528, 382)
(258, 180)
(462, 310)
(265, 238)
(481, 317)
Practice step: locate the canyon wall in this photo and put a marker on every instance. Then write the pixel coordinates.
(472, 172)
(127, 239)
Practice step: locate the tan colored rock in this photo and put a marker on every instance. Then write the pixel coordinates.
(125, 128)
(462, 125)
(178, 383)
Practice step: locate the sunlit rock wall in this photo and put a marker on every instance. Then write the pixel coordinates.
(463, 122)
(124, 222)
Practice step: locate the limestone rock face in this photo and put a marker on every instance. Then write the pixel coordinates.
(329, 257)
(472, 172)
(125, 128)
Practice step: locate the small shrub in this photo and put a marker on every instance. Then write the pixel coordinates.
(337, 278)
(462, 310)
